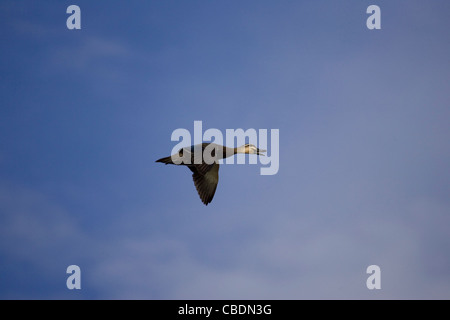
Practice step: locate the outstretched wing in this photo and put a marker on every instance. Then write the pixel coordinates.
(206, 183)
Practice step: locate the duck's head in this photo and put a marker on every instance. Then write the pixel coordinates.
(252, 149)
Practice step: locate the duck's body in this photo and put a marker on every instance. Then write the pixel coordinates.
(202, 160)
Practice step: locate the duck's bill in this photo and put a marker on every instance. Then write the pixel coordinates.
(260, 152)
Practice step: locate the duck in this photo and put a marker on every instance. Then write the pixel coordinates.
(203, 161)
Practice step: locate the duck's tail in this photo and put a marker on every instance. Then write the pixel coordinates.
(166, 160)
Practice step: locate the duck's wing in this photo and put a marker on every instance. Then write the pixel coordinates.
(206, 183)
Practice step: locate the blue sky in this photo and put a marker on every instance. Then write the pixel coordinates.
(364, 149)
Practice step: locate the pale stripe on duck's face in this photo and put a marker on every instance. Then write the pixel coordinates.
(252, 149)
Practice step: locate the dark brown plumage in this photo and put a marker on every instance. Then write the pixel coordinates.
(206, 184)
(205, 176)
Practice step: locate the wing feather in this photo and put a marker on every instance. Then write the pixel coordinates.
(206, 184)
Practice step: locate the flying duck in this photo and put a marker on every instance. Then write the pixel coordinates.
(202, 160)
